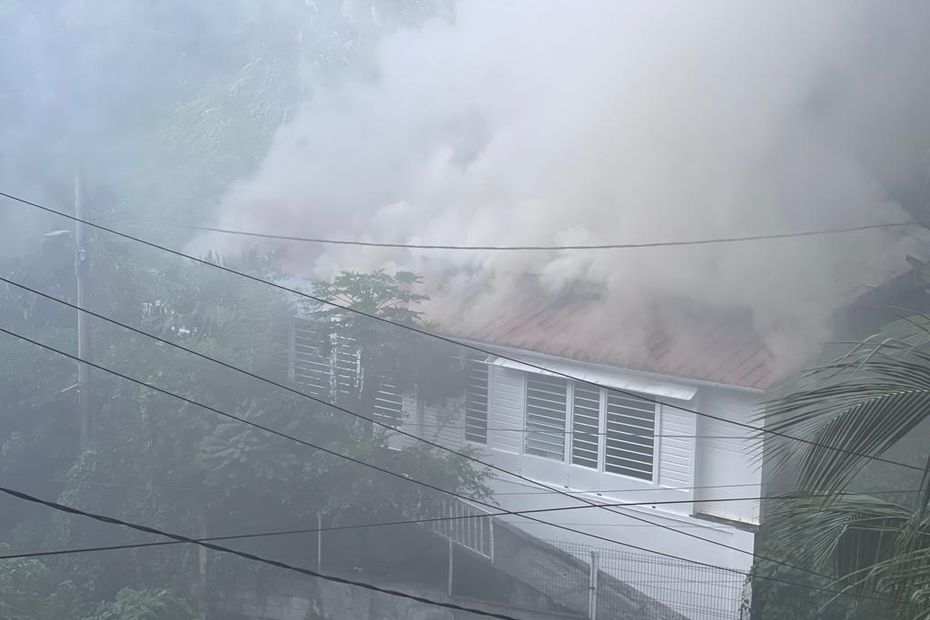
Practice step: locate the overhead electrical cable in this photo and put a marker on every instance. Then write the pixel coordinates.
(400, 475)
(205, 542)
(404, 433)
(451, 340)
(552, 248)
(420, 521)
(370, 493)
(467, 345)
(470, 346)
(249, 556)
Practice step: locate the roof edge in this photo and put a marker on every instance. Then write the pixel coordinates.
(594, 365)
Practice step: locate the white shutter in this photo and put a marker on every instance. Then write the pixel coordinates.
(676, 448)
(476, 400)
(630, 440)
(346, 361)
(505, 412)
(389, 404)
(312, 368)
(586, 404)
(546, 403)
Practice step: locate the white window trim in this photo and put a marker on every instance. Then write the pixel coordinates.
(488, 408)
(604, 377)
(568, 437)
(602, 445)
(566, 445)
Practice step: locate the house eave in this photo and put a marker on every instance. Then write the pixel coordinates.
(513, 351)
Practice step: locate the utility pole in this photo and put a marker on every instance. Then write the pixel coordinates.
(83, 335)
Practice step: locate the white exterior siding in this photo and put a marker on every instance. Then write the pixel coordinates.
(443, 424)
(696, 461)
(683, 460)
(727, 459)
(506, 403)
(676, 447)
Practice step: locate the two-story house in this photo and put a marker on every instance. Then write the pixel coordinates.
(620, 432)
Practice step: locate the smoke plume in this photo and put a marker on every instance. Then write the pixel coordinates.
(596, 122)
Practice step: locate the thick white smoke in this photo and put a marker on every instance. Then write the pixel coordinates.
(560, 122)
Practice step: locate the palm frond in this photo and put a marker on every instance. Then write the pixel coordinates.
(857, 407)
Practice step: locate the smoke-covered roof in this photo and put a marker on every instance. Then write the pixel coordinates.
(718, 345)
(675, 337)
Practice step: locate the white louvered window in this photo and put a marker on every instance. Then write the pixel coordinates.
(311, 360)
(476, 399)
(586, 409)
(389, 405)
(586, 426)
(546, 403)
(346, 366)
(630, 441)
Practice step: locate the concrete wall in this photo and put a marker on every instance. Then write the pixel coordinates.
(527, 579)
(565, 578)
(314, 599)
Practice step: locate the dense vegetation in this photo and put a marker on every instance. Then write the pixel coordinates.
(158, 461)
(160, 108)
(862, 524)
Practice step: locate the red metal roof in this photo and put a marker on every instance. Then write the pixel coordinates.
(680, 339)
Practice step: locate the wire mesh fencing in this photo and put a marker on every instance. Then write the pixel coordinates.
(695, 592)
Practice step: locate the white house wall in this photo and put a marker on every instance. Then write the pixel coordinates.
(506, 404)
(719, 457)
(676, 447)
(727, 458)
(442, 423)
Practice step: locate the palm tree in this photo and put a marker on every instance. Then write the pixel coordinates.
(852, 410)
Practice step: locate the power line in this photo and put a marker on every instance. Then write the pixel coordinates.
(552, 248)
(402, 432)
(403, 476)
(424, 332)
(380, 423)
(249, 556)
(466, 345)
(421, 521)
(207, 541)
(202, 488)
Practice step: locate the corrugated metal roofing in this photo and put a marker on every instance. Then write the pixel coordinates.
(720, 345)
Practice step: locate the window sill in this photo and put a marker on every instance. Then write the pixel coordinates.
(739, 525)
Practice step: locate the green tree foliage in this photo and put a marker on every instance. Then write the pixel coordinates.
(410, 360)
(158, 461)
(29, 591)
(144, 605)
(877, 549)
(189, 100)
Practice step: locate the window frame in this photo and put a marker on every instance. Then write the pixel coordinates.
(656, 430)
(566, 421)
(569, 436)
(469, 362)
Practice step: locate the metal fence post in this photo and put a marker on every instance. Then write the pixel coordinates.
(450, 566)
(292, 352)
(592, 588)
(319, 541)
